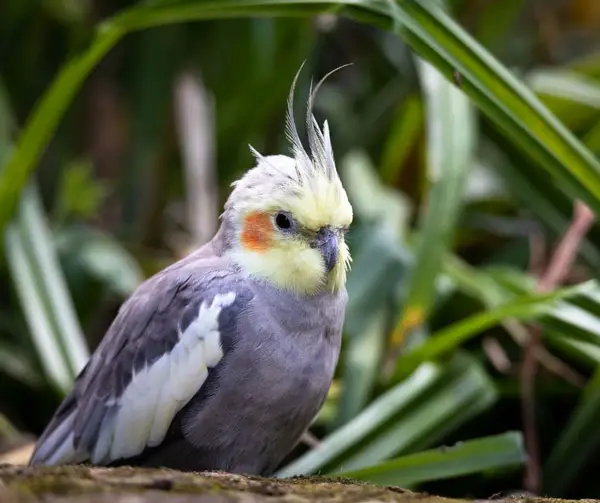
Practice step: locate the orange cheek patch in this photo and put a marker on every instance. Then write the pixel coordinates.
(257, 232)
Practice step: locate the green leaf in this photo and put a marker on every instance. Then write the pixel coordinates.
(583, 351)
(412, 415)
(463, 392)
(570, 326)
(451, 133)
(42, 291)
(43, 294)
(38, 238)
(573, 97)
(577, 444)
(577, 316)
(503, 98)
(525, 307)
(40, 325)
(475, 282)
(375, 415)
(466, 458)
(403, 135)
(571, 319)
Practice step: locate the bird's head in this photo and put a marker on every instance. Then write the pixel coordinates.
(287, 217)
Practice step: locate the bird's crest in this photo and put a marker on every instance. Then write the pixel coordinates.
(319, 159)
(319, 141)
(308, 180)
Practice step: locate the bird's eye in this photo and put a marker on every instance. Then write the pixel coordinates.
(283, 221)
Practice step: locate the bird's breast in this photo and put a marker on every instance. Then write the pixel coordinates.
(291, 376)
(268, 387)
(268, 394)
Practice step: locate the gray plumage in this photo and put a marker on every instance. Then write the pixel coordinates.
(209, 365)
(280, 355)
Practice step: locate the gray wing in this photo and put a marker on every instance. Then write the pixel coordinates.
(154, 358)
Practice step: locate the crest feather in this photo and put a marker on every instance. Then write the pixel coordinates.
(321, 151)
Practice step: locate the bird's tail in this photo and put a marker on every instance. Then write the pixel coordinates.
(55, 446)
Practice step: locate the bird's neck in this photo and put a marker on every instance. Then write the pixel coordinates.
(222, 240)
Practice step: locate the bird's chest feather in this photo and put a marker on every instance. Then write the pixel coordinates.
(294, 374)
(271, 384)
(293, 358)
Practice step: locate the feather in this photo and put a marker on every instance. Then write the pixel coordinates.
(291, 130)
(259, 157)
(320, 141)
(154, 360)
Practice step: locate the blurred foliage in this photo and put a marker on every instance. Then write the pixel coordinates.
(464, 131)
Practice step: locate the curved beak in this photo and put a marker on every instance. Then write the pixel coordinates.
(327, 243)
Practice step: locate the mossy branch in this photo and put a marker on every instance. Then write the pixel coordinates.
(20, 484)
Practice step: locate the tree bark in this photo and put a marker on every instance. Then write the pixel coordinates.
(81, 484)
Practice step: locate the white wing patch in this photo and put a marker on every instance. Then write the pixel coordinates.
(157, 392)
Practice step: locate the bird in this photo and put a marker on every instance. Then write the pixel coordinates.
(222, 360)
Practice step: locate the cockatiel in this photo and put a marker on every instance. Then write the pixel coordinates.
(222, 360)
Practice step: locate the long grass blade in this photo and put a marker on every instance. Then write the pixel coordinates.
(462, 392)
(499, 452)
(412, 415)
(40, 325)
(43, 294)
(526, 307)
(39, 240)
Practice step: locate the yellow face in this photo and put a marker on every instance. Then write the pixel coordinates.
(297, 242)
